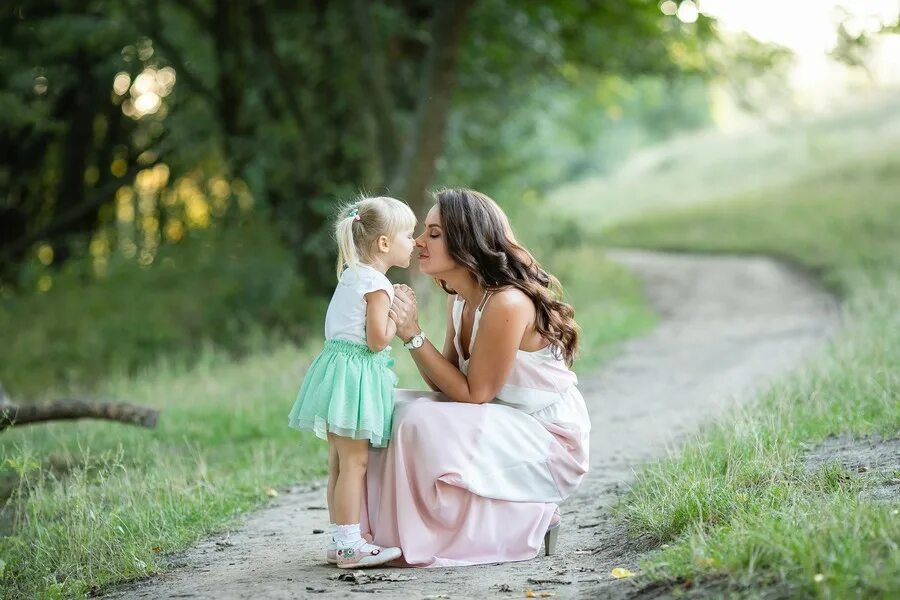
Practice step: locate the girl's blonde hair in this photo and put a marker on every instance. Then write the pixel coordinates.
(361, 223)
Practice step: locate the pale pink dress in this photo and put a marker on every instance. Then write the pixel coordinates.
(465, 484)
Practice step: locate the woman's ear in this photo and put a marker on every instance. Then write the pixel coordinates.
(384, 244)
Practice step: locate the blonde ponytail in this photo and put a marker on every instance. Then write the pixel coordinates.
(347, 254)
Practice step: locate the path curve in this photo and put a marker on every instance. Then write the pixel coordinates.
(727, 326)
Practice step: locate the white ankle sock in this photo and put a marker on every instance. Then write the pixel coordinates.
(347, 536)
(332, 531)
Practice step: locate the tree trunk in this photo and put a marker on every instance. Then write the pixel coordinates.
(418, 162)
(15, 414)
(374, 74)
(77, 144)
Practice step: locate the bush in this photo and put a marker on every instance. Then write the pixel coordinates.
(229, 287)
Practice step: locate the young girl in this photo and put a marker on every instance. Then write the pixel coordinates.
(347, 396)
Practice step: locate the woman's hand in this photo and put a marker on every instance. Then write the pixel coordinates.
(404, 312)
(402, 287)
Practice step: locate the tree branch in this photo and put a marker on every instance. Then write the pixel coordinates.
(14, 414)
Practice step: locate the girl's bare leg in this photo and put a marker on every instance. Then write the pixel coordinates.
(353, 457)
(333, 471)
(351, 549)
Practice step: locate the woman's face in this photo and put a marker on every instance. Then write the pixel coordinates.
(434, 257)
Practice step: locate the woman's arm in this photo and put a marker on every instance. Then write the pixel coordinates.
(449, 349)
(449, 352)
(502, 326)
(379, 328)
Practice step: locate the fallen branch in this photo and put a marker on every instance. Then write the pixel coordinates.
(16, 414)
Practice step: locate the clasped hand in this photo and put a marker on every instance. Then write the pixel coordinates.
(404, 312)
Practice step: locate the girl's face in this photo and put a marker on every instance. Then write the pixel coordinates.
(401, 248)
(434, 257)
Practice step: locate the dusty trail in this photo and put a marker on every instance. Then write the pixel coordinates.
(727, 326)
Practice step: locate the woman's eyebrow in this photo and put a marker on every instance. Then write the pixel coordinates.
(432, 225)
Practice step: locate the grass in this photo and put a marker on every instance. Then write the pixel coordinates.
(94, 503)
(709, 167)
(737, 504)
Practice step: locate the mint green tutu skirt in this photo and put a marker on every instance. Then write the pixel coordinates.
(348, 391)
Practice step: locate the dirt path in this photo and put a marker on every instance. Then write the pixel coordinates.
(727, 326)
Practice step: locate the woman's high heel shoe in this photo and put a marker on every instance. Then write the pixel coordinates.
(552, 534)
(550, 540)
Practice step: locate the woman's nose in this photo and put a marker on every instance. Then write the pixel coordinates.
(420, 241)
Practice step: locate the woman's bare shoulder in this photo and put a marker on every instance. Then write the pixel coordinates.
(511, 299)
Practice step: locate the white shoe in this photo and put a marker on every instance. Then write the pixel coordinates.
(365, 555)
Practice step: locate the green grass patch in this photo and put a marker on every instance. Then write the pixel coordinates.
(737, 503)
(92, 503)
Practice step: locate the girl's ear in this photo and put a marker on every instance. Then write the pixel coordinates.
(384, 244)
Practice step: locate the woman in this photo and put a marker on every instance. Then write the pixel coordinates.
(475, 470)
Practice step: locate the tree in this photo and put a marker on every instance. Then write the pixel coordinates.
(307, 104)
(60, 125)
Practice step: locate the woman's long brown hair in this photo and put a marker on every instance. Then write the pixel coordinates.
(480, 239)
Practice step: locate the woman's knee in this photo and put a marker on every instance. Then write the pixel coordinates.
(421, 419)
(414, 414)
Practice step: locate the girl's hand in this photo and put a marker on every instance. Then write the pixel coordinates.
(405, 313)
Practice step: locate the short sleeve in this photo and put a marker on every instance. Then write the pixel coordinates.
(371, 280)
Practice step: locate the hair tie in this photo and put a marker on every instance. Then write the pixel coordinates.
(354, 212)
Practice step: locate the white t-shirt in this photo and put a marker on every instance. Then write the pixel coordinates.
(346, 316)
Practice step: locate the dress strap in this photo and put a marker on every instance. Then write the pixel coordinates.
(484, 300)
(478, 311)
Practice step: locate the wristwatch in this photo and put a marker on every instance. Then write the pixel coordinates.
(416, 341)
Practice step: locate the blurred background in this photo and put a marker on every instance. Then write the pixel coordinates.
(169, 172)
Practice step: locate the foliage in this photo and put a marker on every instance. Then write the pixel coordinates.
(195, 117)
(223, 287)
(305, 105)
(569, 134)
(60, 133)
